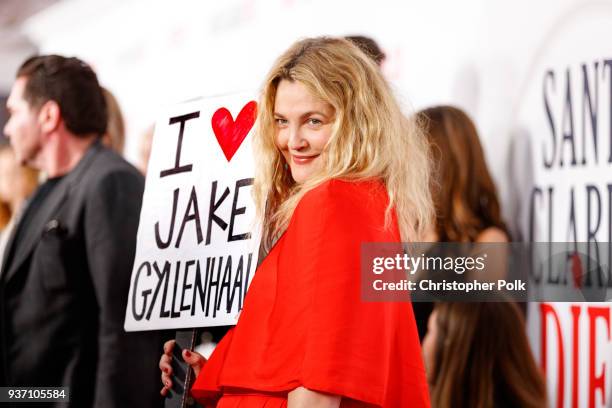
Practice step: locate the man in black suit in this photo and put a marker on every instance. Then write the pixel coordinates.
(66, 272)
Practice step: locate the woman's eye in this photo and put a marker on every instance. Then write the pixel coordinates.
(313, 121)
(280, 122)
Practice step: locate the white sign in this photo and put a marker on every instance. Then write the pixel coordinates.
(196, 253)
(563, 172)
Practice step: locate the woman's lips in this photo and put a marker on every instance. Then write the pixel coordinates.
(303, 159)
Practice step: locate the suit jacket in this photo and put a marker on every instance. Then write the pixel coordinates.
(64, 288)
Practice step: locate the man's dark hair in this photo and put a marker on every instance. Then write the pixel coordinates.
(368, 46)
(73, 85)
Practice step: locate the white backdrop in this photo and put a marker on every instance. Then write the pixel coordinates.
(151, 53)
(473, 53)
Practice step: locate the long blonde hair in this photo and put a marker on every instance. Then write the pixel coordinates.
(17, 183)
(371, 138)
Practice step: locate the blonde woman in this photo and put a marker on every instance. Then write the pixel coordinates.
(114, 138)
(333, 172)
(17, 183)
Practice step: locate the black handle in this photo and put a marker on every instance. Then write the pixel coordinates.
(182, 378)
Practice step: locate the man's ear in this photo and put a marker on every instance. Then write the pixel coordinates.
(49, 117)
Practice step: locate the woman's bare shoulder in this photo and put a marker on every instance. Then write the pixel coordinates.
(492, 234)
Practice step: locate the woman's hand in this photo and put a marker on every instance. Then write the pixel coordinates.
(196, 362)
(304, 398)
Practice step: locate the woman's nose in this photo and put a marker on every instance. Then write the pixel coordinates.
(296, 139)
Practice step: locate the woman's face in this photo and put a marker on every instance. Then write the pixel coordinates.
(303, 128)
(429, 342)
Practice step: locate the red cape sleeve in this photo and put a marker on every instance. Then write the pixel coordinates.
(366, 351)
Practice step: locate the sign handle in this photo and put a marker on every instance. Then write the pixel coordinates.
(179, 397)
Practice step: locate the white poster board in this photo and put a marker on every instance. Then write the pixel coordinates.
(196, 246)
(563, 174)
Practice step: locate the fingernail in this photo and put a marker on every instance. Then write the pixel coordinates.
(187, 353)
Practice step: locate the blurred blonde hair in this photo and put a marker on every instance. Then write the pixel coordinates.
(17, 183)
(114, 138)
(371, 138)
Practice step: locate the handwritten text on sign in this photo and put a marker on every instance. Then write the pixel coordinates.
(196, 252)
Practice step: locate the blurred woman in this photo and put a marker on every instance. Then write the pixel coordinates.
(466, 204)
(333, 173)
(17, 183)
(144, 149)
(465, 197)
(114, 138)
(477, 356)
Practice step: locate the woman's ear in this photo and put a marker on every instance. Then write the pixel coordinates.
(49, 117)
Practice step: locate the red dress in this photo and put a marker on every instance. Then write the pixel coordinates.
(304, 323)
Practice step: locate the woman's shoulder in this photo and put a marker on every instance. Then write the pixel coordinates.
(357, 206)
(493, 235)
(345, 191)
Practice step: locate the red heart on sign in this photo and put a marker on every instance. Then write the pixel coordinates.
(230, 133)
